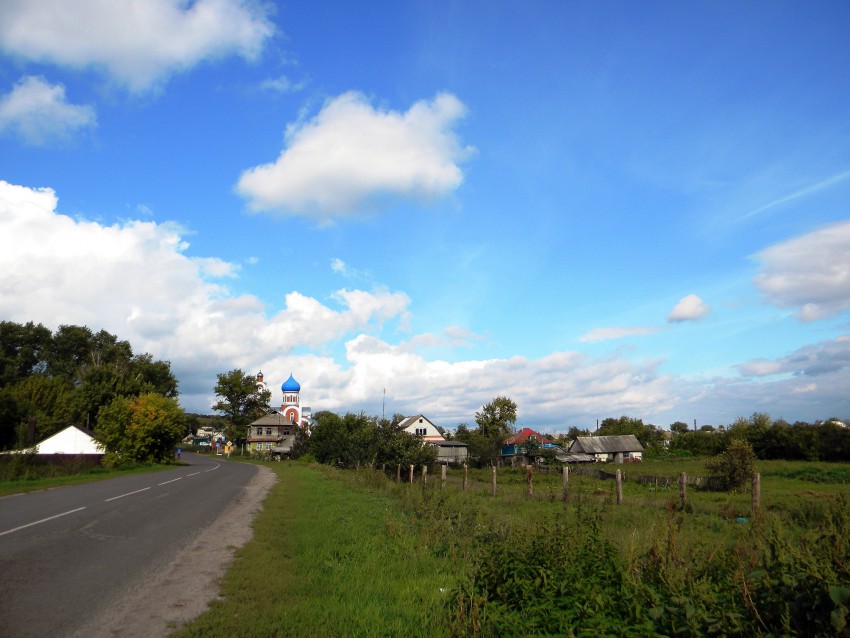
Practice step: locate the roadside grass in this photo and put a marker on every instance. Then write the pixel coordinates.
(354, 553)
(329, 559)
(33, 483)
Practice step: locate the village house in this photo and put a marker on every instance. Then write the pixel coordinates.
(447, 451)
(517, 446)
(624, 448)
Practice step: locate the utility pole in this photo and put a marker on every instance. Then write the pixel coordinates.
(384, 406)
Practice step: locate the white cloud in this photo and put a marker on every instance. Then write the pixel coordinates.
(689, 308)
(810, 272)
(342, 268)
(607, 334)
(811, 361)
(136, 280)
(282, 84)
(353, 156)
(138, 43)
(40, 113)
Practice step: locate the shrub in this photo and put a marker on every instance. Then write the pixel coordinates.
(734, 466)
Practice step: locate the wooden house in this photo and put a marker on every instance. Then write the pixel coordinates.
(622, 448)
(272, 434)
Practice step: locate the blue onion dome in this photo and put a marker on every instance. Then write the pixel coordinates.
(291, 385)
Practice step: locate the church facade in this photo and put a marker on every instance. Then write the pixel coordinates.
(274, 433)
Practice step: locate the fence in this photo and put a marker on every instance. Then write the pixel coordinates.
(619, 476)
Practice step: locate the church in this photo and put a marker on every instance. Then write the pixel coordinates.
(274, 433)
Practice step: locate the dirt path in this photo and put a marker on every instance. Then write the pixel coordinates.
(175, 594)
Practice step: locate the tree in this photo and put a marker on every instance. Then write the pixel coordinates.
(679, 427)
(23, 350)
(481, 450)
(734, 466)
(346, 441)
(45, 400)
(573, 433)
(153, 376)
(497, 417)
(396, 447)
(242, 402)
(141, 429)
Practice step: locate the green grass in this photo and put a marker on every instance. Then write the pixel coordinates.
(352, 553)
(329, 559)
(97, 473)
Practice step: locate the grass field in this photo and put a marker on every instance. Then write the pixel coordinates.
(352, 553)
(32, 482)
(329, 560)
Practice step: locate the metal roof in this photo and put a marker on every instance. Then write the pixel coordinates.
(275, 418)
(606, 444)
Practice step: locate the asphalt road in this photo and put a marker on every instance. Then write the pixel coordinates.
(67, 554)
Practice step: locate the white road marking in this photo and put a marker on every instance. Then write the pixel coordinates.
(172, 480)
(127, 494)
(193, 474)
(43, 520)
(218, 465)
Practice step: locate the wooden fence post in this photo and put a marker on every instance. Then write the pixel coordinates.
(411, 473)
(494, 480)
(756, 493)
(529, 491)
(383, 468)
(465, 471)
(619, 481)
(683, 480)
(443, 476)
(424, 475)
(398, 474)
(566, 481)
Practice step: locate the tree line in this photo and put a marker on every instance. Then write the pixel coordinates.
(770, 439)
(74, 375)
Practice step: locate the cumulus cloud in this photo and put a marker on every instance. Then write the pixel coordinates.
(607, 334)
(353, 156)
(689, 308)
(811, 360)
(137, 43)
(135, 280)
(810, 272)
(40, 113)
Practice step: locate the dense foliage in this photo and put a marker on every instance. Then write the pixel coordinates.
(142, 429)
(769, 439)
(565, 577)
(734, 466)
(495, 422)
(356, 440)
(241, 400)
(52, 379)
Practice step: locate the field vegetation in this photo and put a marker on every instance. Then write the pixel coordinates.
(353, 553)
(21, 473)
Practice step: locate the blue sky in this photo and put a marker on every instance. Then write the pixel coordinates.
(596, 209)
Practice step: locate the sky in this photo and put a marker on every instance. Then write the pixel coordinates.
(594, 208)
